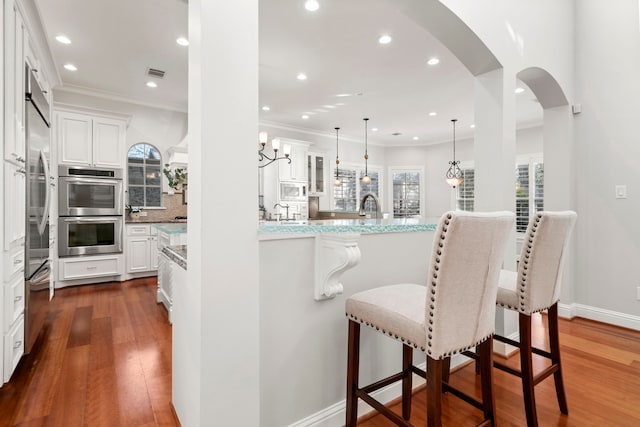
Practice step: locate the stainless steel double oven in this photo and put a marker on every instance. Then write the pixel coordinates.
(90, 206)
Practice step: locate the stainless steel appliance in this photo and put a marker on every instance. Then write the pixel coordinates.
(89, 235)
(38, 198)
(89, 191)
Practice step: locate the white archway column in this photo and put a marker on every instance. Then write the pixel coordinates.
(215, 330)
(495, 158)
(559, 179)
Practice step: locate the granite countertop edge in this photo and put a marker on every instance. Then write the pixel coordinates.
(177, 254)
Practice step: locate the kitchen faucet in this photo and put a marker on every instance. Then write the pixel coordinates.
(283, 206)
(364, 199)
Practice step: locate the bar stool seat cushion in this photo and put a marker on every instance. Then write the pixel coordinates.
(396, 310)
(507, 293)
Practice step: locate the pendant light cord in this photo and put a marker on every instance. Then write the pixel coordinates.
(454, 139)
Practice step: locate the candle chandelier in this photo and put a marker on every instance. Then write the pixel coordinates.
(337, 182)
(366, 179)
(275, 145)
(454, 174)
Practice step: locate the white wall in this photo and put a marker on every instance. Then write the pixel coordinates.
(607, 153)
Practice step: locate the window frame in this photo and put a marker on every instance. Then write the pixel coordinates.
(531, 160)
(421, 181)
(359, 168)
(144, 185)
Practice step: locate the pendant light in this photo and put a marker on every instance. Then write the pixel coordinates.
(337, 182)
(366, 179)
(454, 174)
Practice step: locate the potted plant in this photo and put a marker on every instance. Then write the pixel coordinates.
(177, 178)
(133, 211)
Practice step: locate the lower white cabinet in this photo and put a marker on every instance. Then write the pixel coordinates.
(87, 267)
(141, 249)
(13, 347)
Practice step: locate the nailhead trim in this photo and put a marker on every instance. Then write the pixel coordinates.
(525, 266)
(392, 335)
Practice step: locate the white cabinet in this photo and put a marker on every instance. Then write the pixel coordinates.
(297, 169)
(87, 140)
(13, 348)
(316, 176)
(14, 74)
(89, 267)
(141, 249)
(14, 211)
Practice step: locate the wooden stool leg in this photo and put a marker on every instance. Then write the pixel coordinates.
(407, 379)
(485, 353)
(353, 361)
(446, 369)
(434, 392)
(526, 366)
(554, 345)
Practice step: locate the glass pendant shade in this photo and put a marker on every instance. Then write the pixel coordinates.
(454, 174)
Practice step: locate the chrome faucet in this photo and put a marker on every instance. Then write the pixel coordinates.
(364, 199)
(283, 206)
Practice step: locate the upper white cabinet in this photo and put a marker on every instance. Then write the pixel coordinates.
(14, 130)
(87, 140)
(297, 169)
(316, 174)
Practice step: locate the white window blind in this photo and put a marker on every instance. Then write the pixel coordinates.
(466, 191)
(347, 195)
(406, 194)
(529, 191)
(144, 167)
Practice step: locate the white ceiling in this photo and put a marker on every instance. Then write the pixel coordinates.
(115, 41)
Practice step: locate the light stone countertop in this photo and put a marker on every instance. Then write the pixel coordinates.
(390, 225)
(177, 254)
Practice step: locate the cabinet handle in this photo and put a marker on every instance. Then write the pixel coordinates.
(22, 171)
(17, 261)
(19, 158)
(92, 268)
(17, 345)
(18, 298)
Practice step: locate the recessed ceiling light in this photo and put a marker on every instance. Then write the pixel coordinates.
(433, 61)
(70, 67)
(374, 129)
(519, 90)
(415, 138)
(63, 39)
(302, 76)
(384, 39)
(182, 41)
(152, 84)
(472, 126)
(305, 116)
(311, 5)
(343, 95)
(266, 108)
(433, 113)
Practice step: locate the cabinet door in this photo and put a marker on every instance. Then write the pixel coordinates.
(315, 174)
(153, 253)
(297, 170)
(14, 147)
(74, 139)
(108, 143)
(137, 254)
(14, 212)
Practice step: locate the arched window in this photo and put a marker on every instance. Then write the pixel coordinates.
(144, 164)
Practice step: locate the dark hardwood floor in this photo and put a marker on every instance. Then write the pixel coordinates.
(106, 361)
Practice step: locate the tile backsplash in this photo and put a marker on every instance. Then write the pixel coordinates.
(173, 208)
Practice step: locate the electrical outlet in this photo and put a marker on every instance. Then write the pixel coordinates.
(143, 213)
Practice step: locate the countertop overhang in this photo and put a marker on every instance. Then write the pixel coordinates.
(360, 226)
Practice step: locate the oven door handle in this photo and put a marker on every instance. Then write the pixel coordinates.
(92, 181)
(99, 219)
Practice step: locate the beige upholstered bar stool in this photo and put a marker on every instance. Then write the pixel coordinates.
(534, 288)
(452, 313)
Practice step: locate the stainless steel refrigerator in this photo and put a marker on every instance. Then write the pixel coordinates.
(38, 200)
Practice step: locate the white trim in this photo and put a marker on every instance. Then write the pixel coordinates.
(334, 415)
(599, 314)
(276, 125)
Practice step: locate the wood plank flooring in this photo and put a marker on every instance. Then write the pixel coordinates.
(106, 361)
(601, 365)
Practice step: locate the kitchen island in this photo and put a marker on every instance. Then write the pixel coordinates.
(307, 270)
(172, 262)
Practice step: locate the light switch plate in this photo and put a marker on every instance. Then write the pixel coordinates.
(621, 191)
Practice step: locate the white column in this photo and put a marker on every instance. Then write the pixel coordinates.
(494, 164)
(215, 330)
(559, 180)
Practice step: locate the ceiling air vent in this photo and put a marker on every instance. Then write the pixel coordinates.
(396, 133)
(152, 72)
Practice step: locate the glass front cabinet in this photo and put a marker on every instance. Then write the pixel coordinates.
(316, 174)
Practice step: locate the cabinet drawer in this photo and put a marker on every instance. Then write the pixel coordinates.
(13, 301)
(71, 269)
(13, 348)
(138, 230)
(14, 262)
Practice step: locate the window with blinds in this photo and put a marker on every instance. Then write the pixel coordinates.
(466, 191)
(347, 195)
(529, 191)
(406, 194)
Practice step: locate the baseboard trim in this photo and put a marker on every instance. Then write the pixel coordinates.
(624, 320)
(334, 415)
